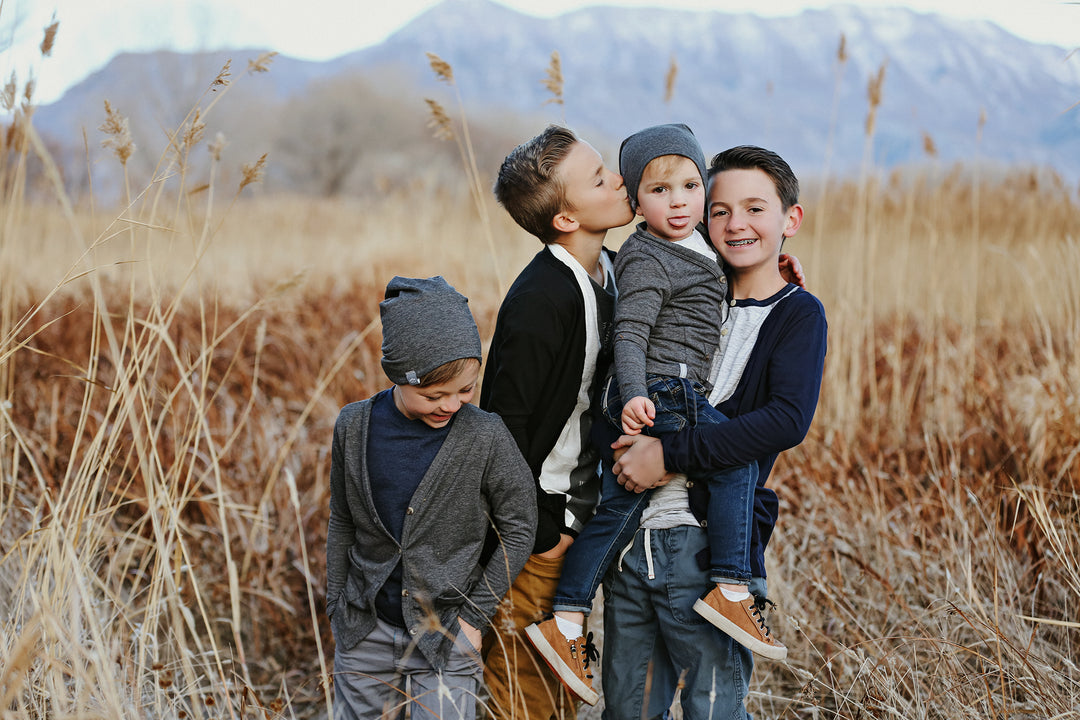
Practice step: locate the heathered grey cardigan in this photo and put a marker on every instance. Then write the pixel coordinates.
(671, 305)
(478, 478)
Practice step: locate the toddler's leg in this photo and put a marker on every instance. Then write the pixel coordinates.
(561, 641)
(600, 541)
(728, 605)
(729, 525)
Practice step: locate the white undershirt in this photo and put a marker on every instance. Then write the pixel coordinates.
(694, 241)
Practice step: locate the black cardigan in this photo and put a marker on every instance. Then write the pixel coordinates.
(533, 371)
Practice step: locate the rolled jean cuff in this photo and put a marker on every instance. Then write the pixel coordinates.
(565, 607)
(728, 579)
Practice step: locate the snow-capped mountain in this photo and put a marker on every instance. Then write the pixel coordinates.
(975, 90)
(967, 88)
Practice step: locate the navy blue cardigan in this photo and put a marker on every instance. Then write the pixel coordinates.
(770, 410)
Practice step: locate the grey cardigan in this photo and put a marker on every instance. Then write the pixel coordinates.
(477, 479)
(671, 305)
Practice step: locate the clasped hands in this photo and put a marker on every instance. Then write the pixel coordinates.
(639, 462)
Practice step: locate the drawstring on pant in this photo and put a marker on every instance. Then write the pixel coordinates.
(625, 550)
(648, 554)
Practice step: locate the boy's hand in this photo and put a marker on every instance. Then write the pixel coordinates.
(636, 414)
(640, 463)
(471, 634)
(791, 270)
(565, 541)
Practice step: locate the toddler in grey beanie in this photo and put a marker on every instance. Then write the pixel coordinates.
(644, 146)
(426, 323)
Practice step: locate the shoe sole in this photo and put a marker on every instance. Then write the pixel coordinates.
(739, 635)
(562, 671)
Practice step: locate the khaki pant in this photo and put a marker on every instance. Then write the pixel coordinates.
(519, 682)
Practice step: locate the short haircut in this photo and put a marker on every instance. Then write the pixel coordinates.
(751, 157)
(447, 371)
(528, 185)
(664, 164)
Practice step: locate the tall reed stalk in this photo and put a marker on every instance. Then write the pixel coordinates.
(109, 606)
(444, 129)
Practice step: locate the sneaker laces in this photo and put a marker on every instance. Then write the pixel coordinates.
(589, 653)
(760, 603)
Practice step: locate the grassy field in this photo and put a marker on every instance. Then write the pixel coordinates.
(170, 372)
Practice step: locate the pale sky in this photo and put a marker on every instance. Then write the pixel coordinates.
(321, 29)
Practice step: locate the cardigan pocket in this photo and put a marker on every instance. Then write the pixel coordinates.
(355, 588)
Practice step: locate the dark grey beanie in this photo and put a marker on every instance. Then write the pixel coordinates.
(646, 145)
(425, 324)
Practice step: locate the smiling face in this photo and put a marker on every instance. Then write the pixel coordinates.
(436, 404)
(748, 222)
(671, 197)
(595, 196)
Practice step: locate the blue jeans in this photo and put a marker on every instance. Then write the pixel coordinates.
(679, 403)
(653, 636)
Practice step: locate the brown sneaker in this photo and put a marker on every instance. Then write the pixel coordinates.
(568, 659)
(741, 620)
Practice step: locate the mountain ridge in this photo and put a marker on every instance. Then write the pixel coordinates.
(967, 89)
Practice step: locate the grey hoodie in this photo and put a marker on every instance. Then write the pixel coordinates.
(671, 305)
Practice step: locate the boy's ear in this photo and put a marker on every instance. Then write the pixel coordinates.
(564, 223)
(794, 220)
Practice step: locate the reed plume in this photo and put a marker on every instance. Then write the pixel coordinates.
(222, 78)
(439, 121)
(261, 64)
(442, 69)
(554, 80)
(253, 172)
(873, 95)
(50, 37)
(7, 95)
(669, 80)
(929, 146)
(118, 132)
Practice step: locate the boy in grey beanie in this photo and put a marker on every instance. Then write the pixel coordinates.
(418, 478)
(672, 302)
(426, 323)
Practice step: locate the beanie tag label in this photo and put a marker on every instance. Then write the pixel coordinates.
(410, 375)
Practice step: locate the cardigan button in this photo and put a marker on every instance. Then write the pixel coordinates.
(689, 483)
(404, 593)
(409, 511)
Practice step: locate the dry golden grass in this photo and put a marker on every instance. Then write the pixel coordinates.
(170, 372)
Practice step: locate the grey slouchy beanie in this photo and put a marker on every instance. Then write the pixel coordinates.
(646, 145)
(425, 324)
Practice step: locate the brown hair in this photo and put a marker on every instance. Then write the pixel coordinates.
(751, 157)
(528, 186)
(447, 371)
